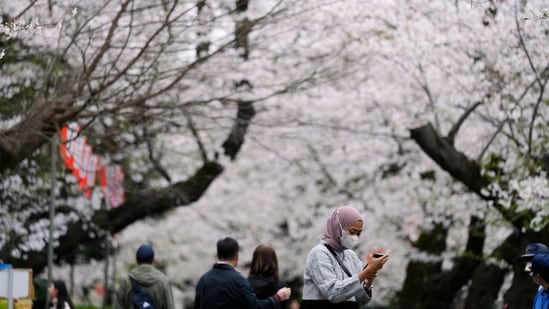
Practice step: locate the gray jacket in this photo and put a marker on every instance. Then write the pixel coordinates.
(150, 280)
(324, 279)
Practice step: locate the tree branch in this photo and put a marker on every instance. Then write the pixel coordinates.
(140, 203)
(425, 87)
(455, 128)
(498, 130)
(194, 132)
(463, 169)
(235, 140)
(42, 122)
(535, 112)
(95, 62)
(450, 159)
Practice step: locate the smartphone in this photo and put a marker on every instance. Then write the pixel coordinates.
(378, 255)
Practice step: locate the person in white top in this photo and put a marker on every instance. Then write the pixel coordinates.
(335, 277)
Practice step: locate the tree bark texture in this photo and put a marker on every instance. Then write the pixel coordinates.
(38, 126)
(430, 286)
(416, 288)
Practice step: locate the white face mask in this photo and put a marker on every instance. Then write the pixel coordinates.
(347, 240)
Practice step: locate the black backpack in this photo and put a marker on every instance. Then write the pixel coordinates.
(140, 298)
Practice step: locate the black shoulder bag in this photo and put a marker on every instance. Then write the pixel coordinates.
(338, 260)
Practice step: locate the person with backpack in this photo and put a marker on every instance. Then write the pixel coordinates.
(145, 287)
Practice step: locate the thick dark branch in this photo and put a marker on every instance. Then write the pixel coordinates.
(235, 140)
(41, 123)
(463, 169)
(138, 205)
(141, 204)
(448, 158)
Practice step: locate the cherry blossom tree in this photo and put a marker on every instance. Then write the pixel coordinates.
(429, 118)
(504, 166)
(138, 76)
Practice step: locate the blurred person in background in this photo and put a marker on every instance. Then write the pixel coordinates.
(264, 276)
(540, 275)
(224, 287)
(149, 279)
(59, 295)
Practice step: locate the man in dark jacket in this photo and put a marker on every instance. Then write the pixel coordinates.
(224, 287)
(149, 279)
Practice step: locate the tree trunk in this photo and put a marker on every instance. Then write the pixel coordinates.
(486, 279)
(486, 283)
(426, 284)
(415, 291)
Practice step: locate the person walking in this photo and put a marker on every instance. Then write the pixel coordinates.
(59, 295)
(148, 279)
(334, 276)
(224, 287)
(264, 276)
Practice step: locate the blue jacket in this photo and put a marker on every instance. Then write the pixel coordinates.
(223, 287)
(541, 301)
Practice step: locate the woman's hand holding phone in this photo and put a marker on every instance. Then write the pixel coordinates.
(377, 257)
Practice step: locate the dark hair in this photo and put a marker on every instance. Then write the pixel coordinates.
(264, 261)
(62, 294)
(227, 248)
